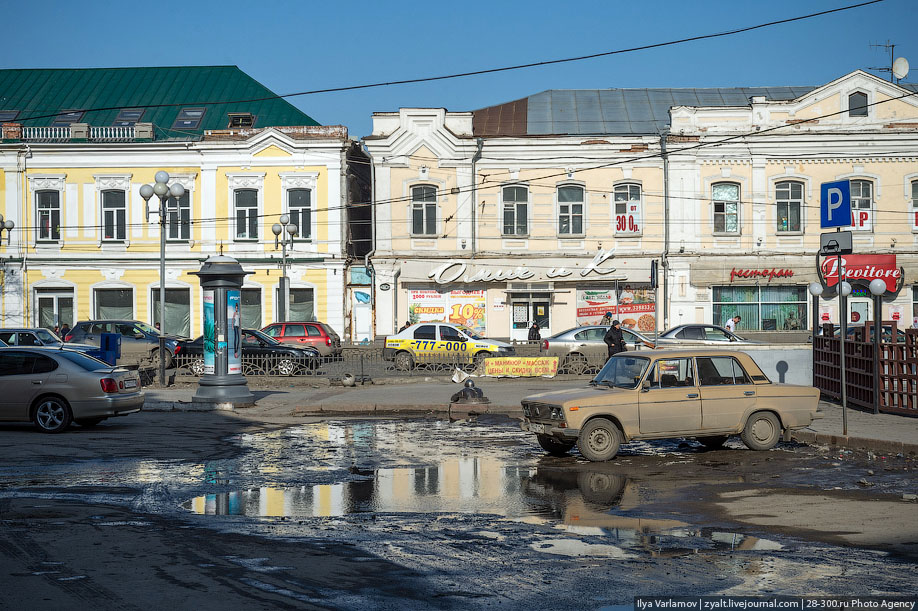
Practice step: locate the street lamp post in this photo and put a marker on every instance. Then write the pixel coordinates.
(163, 191)
(844, 289)
(815, 289)
(877, 288)
(283, 242)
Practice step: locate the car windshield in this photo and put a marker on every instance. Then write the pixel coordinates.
(46, 337)
(469, 332)
(622, 371)
(83, 360)
(262, 336)
(146, 328)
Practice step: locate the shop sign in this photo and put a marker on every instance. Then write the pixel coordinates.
(862, 269)
(760, 273)
(458, 271)
(636, 308)
(521, 366)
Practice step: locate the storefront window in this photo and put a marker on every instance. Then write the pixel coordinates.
(114, 304)
(251, 308)
(765, 308)
(177, 311)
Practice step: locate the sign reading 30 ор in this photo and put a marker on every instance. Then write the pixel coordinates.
(835, 204)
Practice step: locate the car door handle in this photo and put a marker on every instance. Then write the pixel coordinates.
(36, 381)
(749, 393)
(692, 395)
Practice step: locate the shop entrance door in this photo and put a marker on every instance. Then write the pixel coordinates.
(860, 311)
(54, 308)
(526, 309)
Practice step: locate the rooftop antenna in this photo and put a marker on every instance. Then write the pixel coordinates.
(898, 67)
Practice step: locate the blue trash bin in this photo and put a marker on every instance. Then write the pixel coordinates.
(110, 345)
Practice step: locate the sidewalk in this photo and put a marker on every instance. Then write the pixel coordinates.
(885, 433)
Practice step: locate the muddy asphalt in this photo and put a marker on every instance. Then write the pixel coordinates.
(216, 510)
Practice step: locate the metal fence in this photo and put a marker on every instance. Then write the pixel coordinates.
(898, 369)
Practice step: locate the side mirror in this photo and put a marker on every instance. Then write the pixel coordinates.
(732, 338)
(645, 386)
(139, 336)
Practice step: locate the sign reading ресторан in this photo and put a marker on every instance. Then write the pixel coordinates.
(785, 603)
(862, 269)
(767, 274)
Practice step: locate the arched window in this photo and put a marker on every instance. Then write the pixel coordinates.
(789, 198)
(725, 197)
(862, 205)
(570, 210)
(424, 210)
(299, 207)
(857, 104)
(627, 208)
(246, 202)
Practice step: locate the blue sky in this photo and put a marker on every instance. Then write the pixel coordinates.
(297, 46)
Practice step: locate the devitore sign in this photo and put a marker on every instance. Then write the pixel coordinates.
(458, 271)
(861, 269)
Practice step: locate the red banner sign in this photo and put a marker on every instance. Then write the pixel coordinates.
(863, 269)
(761, 273)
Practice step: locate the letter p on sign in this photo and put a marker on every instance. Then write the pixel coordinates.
(835, 204)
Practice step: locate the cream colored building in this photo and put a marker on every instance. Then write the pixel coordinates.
(554, 207)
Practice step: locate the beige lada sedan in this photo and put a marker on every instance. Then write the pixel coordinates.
(705, 394)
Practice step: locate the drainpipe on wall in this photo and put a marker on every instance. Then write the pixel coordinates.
(665, 262)
(475, 158)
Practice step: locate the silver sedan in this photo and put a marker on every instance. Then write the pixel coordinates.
(704, 335)
(582, 348)
(52, 387)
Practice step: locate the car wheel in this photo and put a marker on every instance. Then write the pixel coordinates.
(52, 415)
(154, 354)
(599, 440)
(404, 361)
(197, 367)
(575, 364)
(713, 443)
(285, 367)
(554, 446)
(88, 422)
(601, 488)
(762, 431)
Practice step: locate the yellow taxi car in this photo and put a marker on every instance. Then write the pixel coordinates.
(440, 342)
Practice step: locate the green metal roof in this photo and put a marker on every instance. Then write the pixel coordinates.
(38, 95)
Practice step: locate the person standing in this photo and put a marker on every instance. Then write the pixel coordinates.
(614, 339)
(606, 319)
(534, 333)
(731, 324)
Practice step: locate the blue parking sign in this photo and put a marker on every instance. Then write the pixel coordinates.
(835, 204)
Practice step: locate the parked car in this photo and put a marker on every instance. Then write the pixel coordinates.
(313, 334)
(53, 387)
(39, 336)
(859, 331)
(711, 335)
(583, 347)
(139, 341)
(440, 342)
(658, 394)
(261, 354)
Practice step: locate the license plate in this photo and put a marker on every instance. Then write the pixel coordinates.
(536, 428)
(130, 383)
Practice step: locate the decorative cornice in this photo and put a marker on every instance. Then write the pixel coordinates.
(299, 180)
(53, 182)
(113, 181)
(249, 180)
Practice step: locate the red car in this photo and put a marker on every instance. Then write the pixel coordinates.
(316, 334)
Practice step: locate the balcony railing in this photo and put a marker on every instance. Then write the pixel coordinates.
(63, 134)
(46, 134)
(111, 134)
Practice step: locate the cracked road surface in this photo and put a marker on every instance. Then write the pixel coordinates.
(207, 510)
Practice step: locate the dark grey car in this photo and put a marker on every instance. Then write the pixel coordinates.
(139, 341)
(582, 348)
(38, 336)
(52, 387)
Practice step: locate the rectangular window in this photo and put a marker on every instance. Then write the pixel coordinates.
(570, 210)
(516, 211)
(128, 117)
(49, 215)
(627, 209)
(762, 308)
(65, 118)
(250, 308)
(189, 118)
(114, 304)
(299, 207)
(914, 211)
(424, 210)
(241, 119)
(862, 205)
(726, 207)
(178, 218)
(114, 216)
(178, 311)
(789, 198)
(246, 202)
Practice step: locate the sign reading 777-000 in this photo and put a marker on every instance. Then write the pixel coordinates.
(835, 204)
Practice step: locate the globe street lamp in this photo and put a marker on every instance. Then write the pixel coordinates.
(877, 289)
(8, 225)
(163, 191)
(283, 243)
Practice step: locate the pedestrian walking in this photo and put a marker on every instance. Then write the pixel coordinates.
(534, 333)
(614, 339)
(731, 324)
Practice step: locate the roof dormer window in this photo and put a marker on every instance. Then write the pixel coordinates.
(189, 118)
(66, 117)
(128, 117)
(857, 104)
(241, 119)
